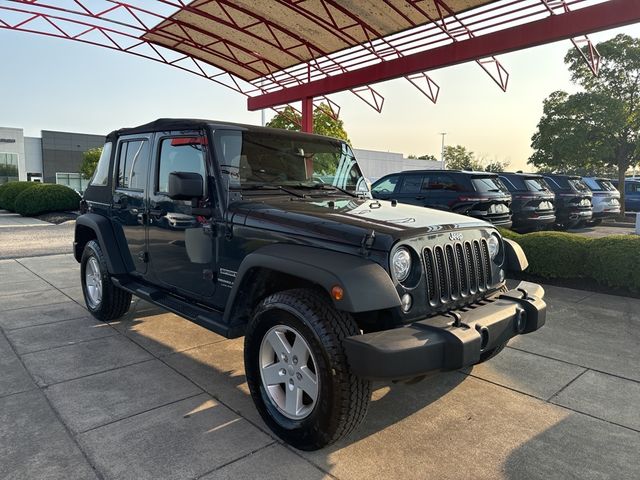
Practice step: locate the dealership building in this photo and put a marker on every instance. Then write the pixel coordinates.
(55, 157)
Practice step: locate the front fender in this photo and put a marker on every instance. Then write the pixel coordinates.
(366, 285)
(516, 260)
(106, 237)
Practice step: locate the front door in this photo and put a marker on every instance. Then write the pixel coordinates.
(129, 197)
(181, 247)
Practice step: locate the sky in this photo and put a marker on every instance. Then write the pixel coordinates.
(54, 84)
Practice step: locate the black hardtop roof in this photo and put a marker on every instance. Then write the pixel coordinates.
(169, 124)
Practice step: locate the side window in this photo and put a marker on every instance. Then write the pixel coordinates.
(388, 185)
(101, 175)
(180, 154)
(633, 187)
(412, 184)
(133, 162)
(439, 181)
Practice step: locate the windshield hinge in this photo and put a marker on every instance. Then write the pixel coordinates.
(367, 242)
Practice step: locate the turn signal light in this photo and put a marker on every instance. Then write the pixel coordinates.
(337, 292)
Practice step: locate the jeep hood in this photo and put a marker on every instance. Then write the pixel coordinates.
(346, 220)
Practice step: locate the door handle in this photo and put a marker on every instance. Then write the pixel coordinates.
(419, 198)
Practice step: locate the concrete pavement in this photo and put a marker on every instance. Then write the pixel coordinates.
(155, 396)
(25, 236)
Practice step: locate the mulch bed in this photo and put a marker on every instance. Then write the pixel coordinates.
(57, 217)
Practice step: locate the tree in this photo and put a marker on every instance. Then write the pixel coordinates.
(90, 162)
(459, 158)
(324, 122)
(595, 131)
(424, 157)
(497, 166)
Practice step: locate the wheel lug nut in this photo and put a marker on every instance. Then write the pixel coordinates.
(295, 360)
(282, 372)
(299, 376)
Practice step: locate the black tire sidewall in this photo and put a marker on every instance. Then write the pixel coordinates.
(321, 423)
(92, 249)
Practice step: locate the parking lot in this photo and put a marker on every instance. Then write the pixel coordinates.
(154, 396)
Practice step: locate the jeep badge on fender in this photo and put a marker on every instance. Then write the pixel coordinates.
(273, 235)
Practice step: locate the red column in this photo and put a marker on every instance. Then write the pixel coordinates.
(307, 114)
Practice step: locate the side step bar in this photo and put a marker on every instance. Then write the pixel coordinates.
(207, 318)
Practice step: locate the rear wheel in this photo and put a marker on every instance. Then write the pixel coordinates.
(104, 300)
(297, 369)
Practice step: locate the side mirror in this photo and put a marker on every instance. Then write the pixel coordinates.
(185, 186)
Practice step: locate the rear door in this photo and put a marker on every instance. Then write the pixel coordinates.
(181, 247)
(129, 203)
(442, 190)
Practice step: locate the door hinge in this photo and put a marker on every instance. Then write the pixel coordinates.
(143, 257)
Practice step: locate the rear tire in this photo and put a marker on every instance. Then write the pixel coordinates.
(338, 403)
(104, 300)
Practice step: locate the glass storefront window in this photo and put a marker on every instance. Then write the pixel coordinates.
(72, 180)
(8, 167)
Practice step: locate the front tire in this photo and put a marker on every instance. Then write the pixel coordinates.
(297, 370)
(104, 300)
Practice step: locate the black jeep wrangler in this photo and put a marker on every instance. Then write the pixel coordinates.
(273, 235)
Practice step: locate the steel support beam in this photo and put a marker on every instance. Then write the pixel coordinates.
(612, 14)
(307, 114)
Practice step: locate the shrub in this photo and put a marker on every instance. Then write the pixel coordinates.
(612, 261)
(10, 192)
(555, 254)
(615, 261)
(2, 187)
(46, 197)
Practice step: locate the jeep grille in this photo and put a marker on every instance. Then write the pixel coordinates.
(456, 271)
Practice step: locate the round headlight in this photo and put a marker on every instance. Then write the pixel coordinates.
(401, 264)
(493, 243)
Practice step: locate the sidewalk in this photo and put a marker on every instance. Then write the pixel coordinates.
(154, 396)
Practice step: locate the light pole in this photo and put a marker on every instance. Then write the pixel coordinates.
(442, 151)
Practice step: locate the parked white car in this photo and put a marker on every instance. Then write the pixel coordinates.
(606, 198)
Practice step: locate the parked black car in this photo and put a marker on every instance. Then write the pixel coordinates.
(229, 226)
(573, 200)
(533, 205)
(477, 194)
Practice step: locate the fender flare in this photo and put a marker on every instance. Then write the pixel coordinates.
(106, 236)
(515, 260)
(367, 286)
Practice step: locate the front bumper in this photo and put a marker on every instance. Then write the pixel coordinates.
(450, 341)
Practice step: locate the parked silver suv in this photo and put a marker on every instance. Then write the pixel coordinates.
(605, 200)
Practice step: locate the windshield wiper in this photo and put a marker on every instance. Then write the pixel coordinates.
(324, 186)
(272, 187)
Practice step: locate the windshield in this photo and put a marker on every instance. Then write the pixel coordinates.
(488, 184)
(536, 184)
(253, 160)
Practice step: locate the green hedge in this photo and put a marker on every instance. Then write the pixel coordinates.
(2, 187)
(46, 197)
(613, 261)
(10, 192)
